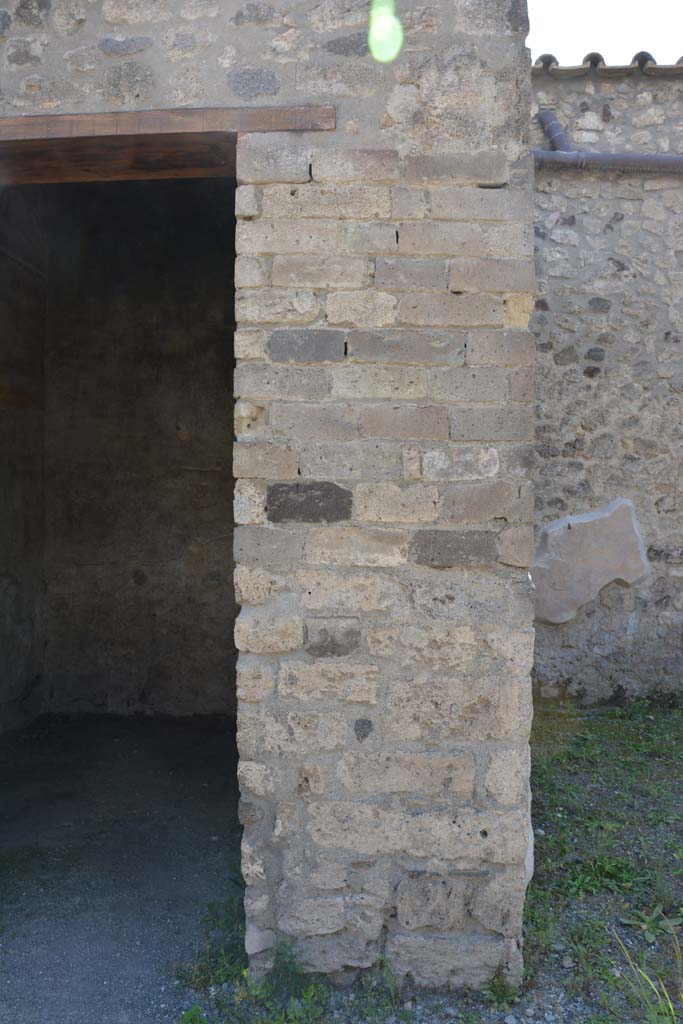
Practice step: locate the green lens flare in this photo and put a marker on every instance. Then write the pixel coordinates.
(385, 38)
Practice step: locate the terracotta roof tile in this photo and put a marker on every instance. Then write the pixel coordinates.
(594, 63)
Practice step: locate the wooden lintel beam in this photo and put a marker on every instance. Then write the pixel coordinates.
(117, 158)
(156, 122)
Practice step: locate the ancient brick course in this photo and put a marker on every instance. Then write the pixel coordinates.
(383, 742)
(393, 750)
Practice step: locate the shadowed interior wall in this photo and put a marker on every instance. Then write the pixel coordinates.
(116, 472)
(22, 303)
(138, 428)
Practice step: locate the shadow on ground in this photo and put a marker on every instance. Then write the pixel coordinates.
(115, 834)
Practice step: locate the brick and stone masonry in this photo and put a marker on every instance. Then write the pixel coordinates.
(383, 422)
(383, 419)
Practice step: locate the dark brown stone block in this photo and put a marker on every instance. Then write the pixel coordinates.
(319, 502)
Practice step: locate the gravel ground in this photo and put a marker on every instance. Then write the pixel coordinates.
(553, 1006)
(114, 834)
(608, 817)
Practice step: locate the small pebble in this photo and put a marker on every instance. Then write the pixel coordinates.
(567, 962)
(510, 1019)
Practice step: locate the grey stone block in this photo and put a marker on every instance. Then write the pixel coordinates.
(24, 52)
(306, 346)
(332, 638)
(254, 13)
(486, 168)
(128, 82)
(271, 157)
(33, 12)
(672, 554)
(355, 45)
(448, 549)
(407, 346)
(599, 305)
(272, 548)
(250, 83)
(123, 47)
(362, 728)
(319, 502)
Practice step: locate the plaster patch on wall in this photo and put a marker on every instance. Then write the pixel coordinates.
(579, 555)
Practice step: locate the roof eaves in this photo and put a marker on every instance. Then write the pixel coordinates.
(594, 63)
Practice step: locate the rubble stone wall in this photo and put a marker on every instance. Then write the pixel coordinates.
(609, 375)
(383, 417)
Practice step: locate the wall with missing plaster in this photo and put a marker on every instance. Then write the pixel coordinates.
(609, 374)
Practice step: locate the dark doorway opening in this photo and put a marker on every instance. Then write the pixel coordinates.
(117, 694)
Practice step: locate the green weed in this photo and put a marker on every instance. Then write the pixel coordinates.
(650, 995)
(193, 1016)
(606, 788)
(221, 959)
(652, 923)
(286, 996)
(605, 874)
(500, 994)
(381, 995)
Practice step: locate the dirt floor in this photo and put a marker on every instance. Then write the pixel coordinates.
(115, 836)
